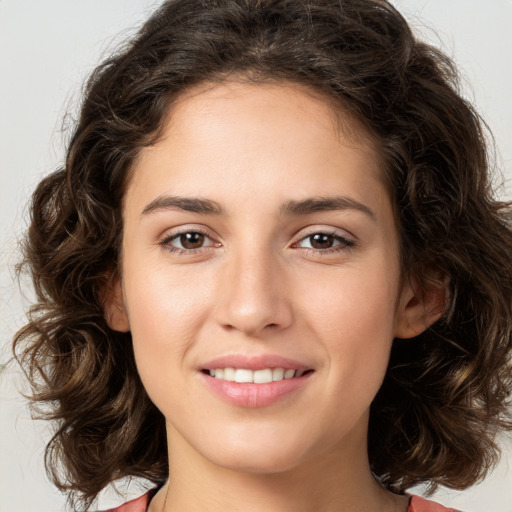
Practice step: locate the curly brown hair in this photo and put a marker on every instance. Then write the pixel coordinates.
(445, 395)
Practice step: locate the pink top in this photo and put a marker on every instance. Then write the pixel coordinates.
(416, 504)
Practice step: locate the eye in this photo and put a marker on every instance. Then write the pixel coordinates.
(325, 242)
(188, 241)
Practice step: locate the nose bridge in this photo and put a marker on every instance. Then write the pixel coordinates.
(253, 294)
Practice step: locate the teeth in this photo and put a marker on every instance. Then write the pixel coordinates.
(229, 374)
(262, 376)
(258, 376)
(277, 374)
(242, 375)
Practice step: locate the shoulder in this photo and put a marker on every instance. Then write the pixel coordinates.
(419, 504)
(137, 505)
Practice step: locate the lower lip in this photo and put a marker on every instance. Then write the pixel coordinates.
(247, 394)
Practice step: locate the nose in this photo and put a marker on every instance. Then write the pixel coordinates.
(253, 295)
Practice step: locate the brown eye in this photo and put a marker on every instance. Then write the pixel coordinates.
(188, 241)
(321, 241)
(191, 240)
(325, 242)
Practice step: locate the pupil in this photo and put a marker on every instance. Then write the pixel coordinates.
(192, 240)
(321, 241)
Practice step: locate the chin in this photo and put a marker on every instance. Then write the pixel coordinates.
(257, 463)
(256, 453)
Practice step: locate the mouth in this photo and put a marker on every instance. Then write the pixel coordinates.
(256, 380)
(261, 376)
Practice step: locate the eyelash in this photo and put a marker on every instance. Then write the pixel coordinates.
(344, 243)
(166, 242)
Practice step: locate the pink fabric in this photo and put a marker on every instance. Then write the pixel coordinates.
(138, 505)
(417, 504)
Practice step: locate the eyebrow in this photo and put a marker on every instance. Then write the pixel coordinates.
(291, 208)
(322, 204)
(189, 204)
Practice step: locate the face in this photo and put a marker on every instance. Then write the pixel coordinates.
(260, 277)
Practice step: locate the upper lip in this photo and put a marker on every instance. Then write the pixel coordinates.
(254, 362)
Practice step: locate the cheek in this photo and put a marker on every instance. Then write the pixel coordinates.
(353, 301)
(353, 315)
(163, 302)
(165, 312)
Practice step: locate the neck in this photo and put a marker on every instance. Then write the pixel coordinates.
(338, 481)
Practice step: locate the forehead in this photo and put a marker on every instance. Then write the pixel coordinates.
(261, 133)
(303, 102)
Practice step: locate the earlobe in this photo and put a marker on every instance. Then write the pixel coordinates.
(420, 306)
(114, 307)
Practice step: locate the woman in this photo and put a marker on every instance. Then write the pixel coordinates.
(272, 258)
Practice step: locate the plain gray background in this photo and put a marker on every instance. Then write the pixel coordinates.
(47, 49)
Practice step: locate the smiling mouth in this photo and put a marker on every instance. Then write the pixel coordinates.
(263, 376)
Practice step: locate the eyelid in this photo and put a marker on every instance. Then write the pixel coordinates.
(346, 239)
(172, 234)
(326, 230)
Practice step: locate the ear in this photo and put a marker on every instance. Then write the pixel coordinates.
(421, 304)
(114, 307)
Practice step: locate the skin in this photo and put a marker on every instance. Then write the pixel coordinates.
(257, 284)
